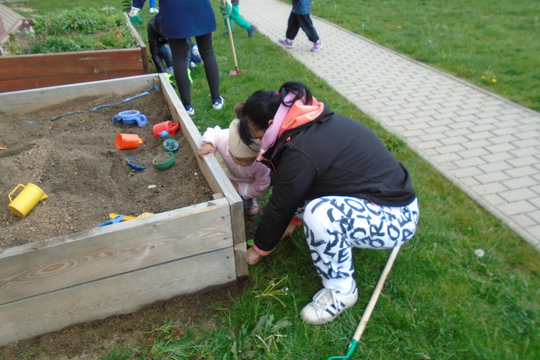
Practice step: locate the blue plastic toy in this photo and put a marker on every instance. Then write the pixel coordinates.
(130, 117)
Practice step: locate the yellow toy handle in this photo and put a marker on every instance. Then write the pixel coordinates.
(11, 193)
(112, 216)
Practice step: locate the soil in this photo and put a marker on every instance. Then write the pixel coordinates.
(73, 159)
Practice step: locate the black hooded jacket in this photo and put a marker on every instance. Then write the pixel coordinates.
(330, 155)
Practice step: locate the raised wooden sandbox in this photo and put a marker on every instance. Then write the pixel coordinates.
(20, 72)
(54, 283)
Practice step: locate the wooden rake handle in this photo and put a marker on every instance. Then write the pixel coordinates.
(375, 296)
(229, 30)
(232, 43)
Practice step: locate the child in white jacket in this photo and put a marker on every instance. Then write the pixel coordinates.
(249, 177)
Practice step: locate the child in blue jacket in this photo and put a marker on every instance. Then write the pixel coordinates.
(300, 19)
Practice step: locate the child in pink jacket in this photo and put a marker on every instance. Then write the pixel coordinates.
(249, 177)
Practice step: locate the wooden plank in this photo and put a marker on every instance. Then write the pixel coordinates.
(69, 67)
(116, 295)
(30, 100)
(9, 21)
(69, 63)
(217, 179)
(34, 83)
(215, 176)
(53, 264)
(140, 43)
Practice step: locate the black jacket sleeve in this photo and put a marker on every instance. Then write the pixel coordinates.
(294, 176)
(154, 35)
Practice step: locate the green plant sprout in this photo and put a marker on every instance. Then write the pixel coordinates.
(273, 292)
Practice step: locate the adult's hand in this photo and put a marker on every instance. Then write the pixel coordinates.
(134, 16)
(226, 9)
(134, 11)
(252, 256)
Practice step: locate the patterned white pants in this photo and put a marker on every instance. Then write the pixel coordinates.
(334, 225)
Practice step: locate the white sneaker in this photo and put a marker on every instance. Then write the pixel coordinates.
(327, 305)
(153, 10)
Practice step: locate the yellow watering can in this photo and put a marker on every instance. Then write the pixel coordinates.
(26, 200)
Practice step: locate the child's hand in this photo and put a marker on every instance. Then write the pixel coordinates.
(206, 149)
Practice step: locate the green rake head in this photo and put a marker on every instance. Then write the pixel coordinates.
(352, 348)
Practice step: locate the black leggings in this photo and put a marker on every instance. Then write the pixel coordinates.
(180, 52)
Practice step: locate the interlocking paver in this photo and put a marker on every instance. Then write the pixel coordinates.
(516, 195)
(527, 182)
(482, 131)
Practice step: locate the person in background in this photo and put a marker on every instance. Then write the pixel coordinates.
(300, 19)
(231, 12)
(181, 20)
(137, 5)
(153, 9)
(353, 191)
(160, 49)
(249, 177)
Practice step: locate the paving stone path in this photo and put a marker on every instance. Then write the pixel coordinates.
(487, 145)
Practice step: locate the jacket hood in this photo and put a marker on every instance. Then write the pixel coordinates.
(287, 118)
(300, 114)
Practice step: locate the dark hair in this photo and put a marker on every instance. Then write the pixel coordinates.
(262, 106)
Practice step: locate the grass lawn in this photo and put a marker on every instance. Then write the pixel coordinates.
(442, 300)
(494, 44)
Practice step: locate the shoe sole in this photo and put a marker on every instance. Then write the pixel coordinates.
(285, 45)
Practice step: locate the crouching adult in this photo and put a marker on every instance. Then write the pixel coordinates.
(355, 192)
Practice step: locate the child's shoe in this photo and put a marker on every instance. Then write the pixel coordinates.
(153, 10)
(287, 42)
(254, 209)
(251, 30)
(217, 104)
(317, 45)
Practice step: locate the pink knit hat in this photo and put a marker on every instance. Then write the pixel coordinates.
(237, 147)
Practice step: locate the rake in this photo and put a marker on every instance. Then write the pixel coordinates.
(235, 71)
(370, 306)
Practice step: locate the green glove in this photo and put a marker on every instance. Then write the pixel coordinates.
(134, 16)
(136, 20)
(226, 9)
